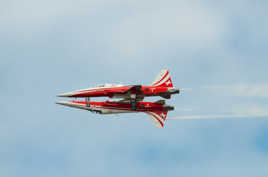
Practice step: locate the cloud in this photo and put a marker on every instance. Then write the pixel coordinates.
(243, 90)
(169, 25)
(131, 30)
(220, 116)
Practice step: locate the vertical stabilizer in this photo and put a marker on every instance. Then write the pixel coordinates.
(158, 118)
(163, 79)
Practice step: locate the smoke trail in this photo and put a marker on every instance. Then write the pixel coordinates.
(219, 116)
(186, 89)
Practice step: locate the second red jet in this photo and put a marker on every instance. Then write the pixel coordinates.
(156, 110)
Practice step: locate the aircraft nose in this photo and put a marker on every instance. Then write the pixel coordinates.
(65, 103)
(69, 94)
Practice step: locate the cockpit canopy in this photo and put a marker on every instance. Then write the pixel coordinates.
(108, 85)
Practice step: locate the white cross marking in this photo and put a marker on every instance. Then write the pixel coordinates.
(168, 82)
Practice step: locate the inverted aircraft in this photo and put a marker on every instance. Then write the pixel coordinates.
(156, 110)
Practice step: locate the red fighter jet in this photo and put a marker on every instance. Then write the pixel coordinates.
(162, 86)
(156, 110)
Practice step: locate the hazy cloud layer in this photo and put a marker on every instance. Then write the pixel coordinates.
(244, 90)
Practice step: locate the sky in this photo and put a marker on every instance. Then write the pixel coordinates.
(216, 51)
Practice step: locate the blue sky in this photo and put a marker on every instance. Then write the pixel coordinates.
(217, 51)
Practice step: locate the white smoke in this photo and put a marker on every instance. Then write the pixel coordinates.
(219, 116)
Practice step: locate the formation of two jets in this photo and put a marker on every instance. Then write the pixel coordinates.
(132, 98)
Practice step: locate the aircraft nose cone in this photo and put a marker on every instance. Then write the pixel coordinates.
(69, 94)
(62, 103)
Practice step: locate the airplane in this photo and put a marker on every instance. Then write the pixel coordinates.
(162, 86)
(156, 110)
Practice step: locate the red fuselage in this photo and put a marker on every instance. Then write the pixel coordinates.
(144, 91)
(157, 111)
(141, 106)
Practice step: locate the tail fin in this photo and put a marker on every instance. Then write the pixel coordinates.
(158, 118)
(163, 79)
